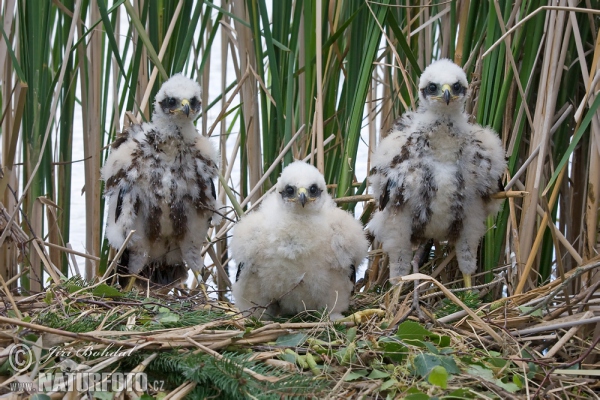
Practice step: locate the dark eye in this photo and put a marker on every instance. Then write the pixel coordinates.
(432, 88)
(457, 86)
(171, 101)
(313, 190)
(290, 190)
(194, 102)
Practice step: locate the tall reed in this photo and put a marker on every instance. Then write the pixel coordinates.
(320, 74)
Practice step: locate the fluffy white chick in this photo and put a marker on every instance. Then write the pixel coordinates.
(159, 182)
(298, 251)
(435, 173)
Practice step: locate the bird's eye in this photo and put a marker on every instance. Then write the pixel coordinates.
(313, 190)
(290, 190)
(194, 102)
(171, 101)
(432, 88)
(457, 86)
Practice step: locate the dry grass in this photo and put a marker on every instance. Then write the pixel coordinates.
(533, 68)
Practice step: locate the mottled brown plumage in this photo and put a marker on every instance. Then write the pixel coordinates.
(435, 173)
(159, 182)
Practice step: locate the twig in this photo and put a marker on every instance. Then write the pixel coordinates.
(567, 365)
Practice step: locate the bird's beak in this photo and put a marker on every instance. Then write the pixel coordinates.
(185, 106)
(302, 196)
(447, 96)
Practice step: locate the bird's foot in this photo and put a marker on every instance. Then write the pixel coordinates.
(361, 316)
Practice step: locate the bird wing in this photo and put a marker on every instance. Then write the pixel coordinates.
(240, 267)
(119, 174)
(248, 241)
(487, 158)
(206, 172)
(348, 241)
(389, 168)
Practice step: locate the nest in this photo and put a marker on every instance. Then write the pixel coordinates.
(537, 344)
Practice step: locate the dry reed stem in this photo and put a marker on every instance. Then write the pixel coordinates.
(456, 301)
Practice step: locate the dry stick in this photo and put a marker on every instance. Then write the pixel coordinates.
(48, 266)
(540, 235)
(589, 92)
(570, 333)
(570, 364)
(534, 154)
(231, 98)
(553, 327)
(220, 269)
(10, 298)
(181, 391)
(79, 336)
(353, 199)
(274, 165)
(230, 164)
(218, 356)
(512, 61)
(392, 46)
(573, 274)
(561, 237)
(456, 301)
(460, 42)
(527, 18)
(117, 256)
(53, 107)
(161, 54)
(71, 251)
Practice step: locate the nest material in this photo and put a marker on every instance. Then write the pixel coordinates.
(516, 347)
(16, 234)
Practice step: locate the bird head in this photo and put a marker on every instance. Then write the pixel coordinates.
(301, 187)
(443, 86)
(178, 99)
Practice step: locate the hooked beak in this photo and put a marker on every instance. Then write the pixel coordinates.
(302, 196)
(185, 107)
(446, 93)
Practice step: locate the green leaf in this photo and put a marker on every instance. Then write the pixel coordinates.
(388, 384)
(488, 375)
(376, 374)
(40, 396)
(103, 395)
(354, 375)
(288, 357)
(168, 318)
(438, 376)
(508, 386)
(424, 363)
(393, 350)
(351, 335)
(431, 347)
(528, 311)
(72, 288)
(103, 290)
(292, 340)
(413, 333)
(517, 381)
(417, 396)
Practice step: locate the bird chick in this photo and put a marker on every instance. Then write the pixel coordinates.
(159, 182)
(435, 173)
(298, 251)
